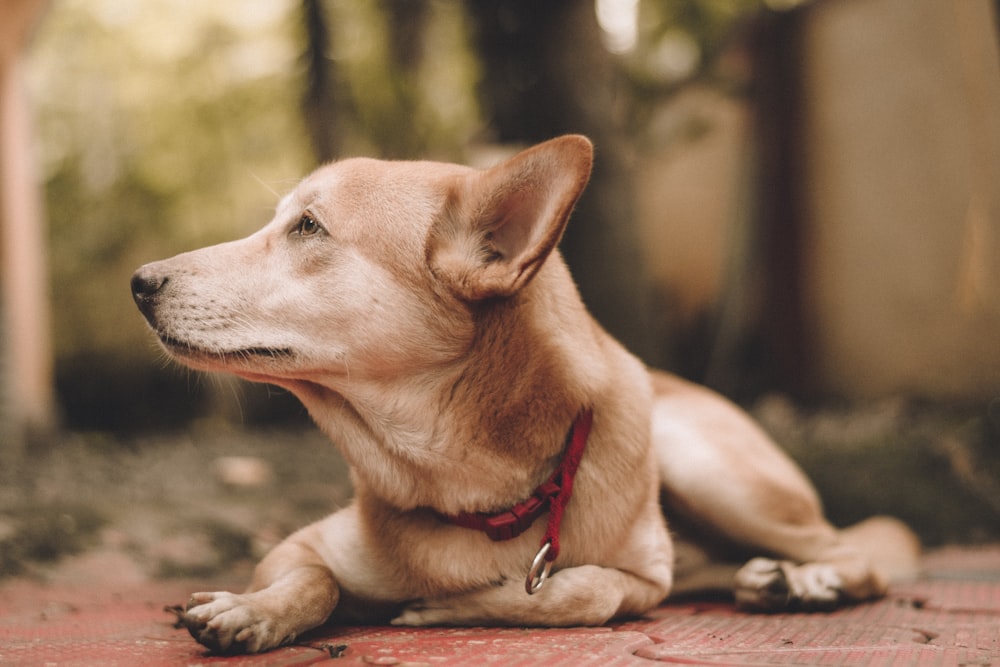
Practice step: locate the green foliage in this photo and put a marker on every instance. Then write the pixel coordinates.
(162, 127)
(405, 105)
(678, 40)
(166, 125)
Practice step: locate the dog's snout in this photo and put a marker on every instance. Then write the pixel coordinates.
(145, 285)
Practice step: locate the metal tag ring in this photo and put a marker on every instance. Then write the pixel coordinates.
(539, 571)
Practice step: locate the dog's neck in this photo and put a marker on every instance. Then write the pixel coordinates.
(417, 452)
(498, 415)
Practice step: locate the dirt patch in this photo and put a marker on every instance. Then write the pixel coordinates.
(210, 501)
(936, 467)
(197, 503)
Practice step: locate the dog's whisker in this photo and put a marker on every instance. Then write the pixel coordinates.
(263, 183)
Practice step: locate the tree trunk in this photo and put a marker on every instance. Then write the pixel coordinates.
(546, 72)
(318, 102)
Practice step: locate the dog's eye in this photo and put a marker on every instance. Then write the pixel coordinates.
(307, 226)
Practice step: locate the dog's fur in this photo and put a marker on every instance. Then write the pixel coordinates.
(423, 315)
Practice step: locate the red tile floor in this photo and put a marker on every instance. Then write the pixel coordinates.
(950, 616)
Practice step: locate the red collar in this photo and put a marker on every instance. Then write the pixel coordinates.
(552, 495)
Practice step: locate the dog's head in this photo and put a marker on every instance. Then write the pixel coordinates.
(367, 267)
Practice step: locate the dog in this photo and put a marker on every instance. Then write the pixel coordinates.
(512, 463)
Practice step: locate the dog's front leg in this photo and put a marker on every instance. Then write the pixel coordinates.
(583, 595)
(293, 591)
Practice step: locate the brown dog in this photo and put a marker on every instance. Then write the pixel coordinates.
(508, 455)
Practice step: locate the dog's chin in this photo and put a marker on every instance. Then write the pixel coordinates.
(223, 359)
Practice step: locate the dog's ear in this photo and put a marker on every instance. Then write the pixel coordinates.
(499, 225)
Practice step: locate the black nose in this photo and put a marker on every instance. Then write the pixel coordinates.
(145, 286)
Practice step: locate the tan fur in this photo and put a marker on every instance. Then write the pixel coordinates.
(422, 314)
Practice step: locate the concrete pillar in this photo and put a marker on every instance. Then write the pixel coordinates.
(26, 387)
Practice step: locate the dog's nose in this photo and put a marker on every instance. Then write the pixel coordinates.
(145, 285)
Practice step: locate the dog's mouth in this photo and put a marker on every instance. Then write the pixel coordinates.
(186, 349)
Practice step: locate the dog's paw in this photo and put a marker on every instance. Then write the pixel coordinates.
(769, 585)
(582, 595)
(229, 623)
(426, 612)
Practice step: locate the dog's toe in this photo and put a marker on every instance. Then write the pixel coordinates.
(209, 620)
(762, 585)
(817, 587)
(198, 599)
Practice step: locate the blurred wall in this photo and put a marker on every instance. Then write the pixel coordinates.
(875, 225)
(902, 204)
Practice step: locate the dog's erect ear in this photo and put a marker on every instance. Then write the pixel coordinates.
(499, 225)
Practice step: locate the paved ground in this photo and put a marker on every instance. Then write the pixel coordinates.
(99, 533)
(951, 616)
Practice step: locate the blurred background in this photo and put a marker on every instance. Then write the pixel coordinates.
(793, 202)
